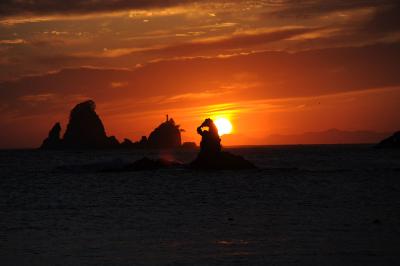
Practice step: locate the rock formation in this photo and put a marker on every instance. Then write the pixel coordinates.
(53, 141)
(165, 136)
(392, 142)
(128, 144)
(84, 131)
(211, 157)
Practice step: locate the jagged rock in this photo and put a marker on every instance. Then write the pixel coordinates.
(112, 142)
(53, 141)
(392, 142)
(210, 141)
(85, 129)
(143, 142)
(165, 136)
(128, 144)
(211, 157)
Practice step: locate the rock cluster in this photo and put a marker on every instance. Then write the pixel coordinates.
(85, 130)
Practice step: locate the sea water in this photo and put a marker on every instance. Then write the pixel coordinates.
(305, 205)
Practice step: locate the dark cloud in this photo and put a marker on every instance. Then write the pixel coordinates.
(235, 42)
(45, 7)
(206, 47)
(385, 19)
(381, 22)
(310, 8)
(276, 75)
(21, 60)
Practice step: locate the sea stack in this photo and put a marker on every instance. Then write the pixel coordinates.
(165, 136)
(211, 156)
(85, 130)
(53, 141)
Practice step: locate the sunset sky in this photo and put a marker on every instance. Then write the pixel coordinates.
(269, 66)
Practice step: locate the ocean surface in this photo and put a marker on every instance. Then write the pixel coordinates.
(305, 205)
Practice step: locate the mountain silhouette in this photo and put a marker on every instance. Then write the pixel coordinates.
(330, 136)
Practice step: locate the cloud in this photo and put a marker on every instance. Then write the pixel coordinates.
(238, 41)
(305, 9)
(213, 46)
(380, 16)
(282, 86)
(13, 41)
(385, 19)
(263, 75)
(45, 7)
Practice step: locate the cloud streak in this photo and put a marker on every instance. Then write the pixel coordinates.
(264, 75)
(46, 7)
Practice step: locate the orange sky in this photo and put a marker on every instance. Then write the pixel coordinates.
(271, 67)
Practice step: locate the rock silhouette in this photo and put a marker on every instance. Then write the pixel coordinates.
(210, 142)
(85, 130)
(211, 157)
(128, 144)
(53, 141)
(392, 142)
(165, 136)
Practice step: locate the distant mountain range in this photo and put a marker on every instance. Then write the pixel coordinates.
(331, 136)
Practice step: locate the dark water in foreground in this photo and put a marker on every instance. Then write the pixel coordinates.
(308, 205)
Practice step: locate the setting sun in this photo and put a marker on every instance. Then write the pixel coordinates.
(224, 126)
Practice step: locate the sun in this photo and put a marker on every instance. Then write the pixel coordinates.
(224, 126)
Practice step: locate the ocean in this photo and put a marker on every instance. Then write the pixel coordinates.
(305, 205)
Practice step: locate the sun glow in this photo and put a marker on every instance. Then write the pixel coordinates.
(224, 126)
